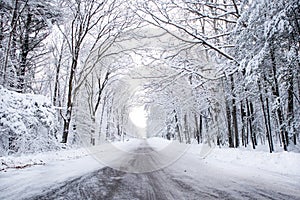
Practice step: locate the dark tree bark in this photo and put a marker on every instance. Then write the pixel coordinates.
(228, 115)
(254, 138)
(243, 116)
(269, 120)
(275, 88)
(57, 73)
(177, 129)
(290, 108)
(67, 120)
(201, 128)
(24, 52)
(169, 134)
(186, 130)
(268, 135)
(197, 129)
(1, 30)
(234, 114)
(250, 122)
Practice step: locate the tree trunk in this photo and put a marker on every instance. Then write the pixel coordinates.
(268, 135)
(234, 114)
(102, 115)
(243, 116)
(247, 124)
(197, 129)
(168, 132)
(269, 120)
(200, 128)
(250, 122)
(186, 130)
(177, 129)
(67, 119)
(21, 73)
(56, 82)
(93, 128)
(56, 85)
(11, 41)
(290, 108)
(280, 116)
(1, 35)
(268, 115)
(228, 115)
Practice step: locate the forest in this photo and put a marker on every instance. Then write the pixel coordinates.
(219, 72)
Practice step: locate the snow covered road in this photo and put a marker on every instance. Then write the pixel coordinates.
(146, 171)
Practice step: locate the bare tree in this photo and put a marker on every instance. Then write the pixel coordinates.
(93, 30)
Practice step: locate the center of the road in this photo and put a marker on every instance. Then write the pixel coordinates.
(137, 156)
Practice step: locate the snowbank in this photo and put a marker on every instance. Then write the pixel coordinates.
(27, 123)
(285, 163)
(44, 158)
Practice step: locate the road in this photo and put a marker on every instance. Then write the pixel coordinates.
(143, 174)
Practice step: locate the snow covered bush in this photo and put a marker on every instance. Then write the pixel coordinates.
(27, 123)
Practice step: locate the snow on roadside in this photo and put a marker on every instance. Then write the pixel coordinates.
(24, 183)
(28, 160)
(27, 123)
(285, 163)
(228, 169)
(46, 170)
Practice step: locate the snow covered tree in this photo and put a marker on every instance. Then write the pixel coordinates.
(96, 95)
(25, 26)
(268, 50)
(91, 29)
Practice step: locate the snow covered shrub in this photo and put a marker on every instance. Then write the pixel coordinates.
(27, 123)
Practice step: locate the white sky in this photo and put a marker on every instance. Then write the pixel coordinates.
(138, 116)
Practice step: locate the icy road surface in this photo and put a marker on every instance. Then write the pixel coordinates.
(172, 172)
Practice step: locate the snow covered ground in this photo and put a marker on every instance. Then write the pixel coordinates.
(218, 172)
(24, 176)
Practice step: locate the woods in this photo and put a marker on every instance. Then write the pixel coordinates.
(255, 51)
(222, 72)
